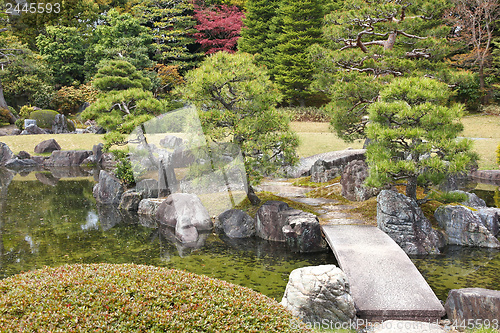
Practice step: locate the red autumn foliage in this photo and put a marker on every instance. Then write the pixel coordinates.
(219, 28)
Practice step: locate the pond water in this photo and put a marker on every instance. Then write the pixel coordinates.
(54, 225)
(58, 222)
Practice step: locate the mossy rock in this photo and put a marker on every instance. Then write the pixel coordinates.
(6, 116)
(45, 119)
(134, 298)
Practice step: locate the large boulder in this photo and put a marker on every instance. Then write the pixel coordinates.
(402, 219)
(33, 129)
(148, 187)
(303, 233)
(271, 218)
(20, 164)
(147, 212)
(321, 173)
(235, 223)
(60, 124)
(352, 182)
(47, 146)
(491, 218)
(185, 213)
(5, 153)
(476, 305)
(67, 158)
(464, 227)
(109, 190)
(319, 293)
(332, 159)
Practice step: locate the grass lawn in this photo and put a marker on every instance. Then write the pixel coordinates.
(484, 130)
(27, 143)
(315, 138)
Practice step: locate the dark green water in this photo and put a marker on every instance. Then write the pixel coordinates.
(54, 225)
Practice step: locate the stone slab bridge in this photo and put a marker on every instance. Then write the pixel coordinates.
(384, 282)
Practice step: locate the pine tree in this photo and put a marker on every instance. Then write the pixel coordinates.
(297, 25)
(369, 44)
(171, 25)
(236, 103)
(414, 135)
(257, 22)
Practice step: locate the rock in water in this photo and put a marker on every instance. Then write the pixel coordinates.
(402, 219)
(5, 153)
(478, 305)
(185, 213)
(319, 293)
(303, 233)
(109, 190)
(464, 227)
(235, 223)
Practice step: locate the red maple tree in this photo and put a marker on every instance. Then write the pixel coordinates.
(218, 27)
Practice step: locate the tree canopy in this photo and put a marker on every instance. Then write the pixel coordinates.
(236, 102)
(414, 134)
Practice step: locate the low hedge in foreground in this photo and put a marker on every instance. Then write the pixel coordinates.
(133, 298)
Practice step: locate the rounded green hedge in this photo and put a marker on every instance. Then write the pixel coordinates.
(134, 298)
(45, 119)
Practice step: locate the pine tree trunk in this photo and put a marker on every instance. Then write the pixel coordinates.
(411, 188)
(254, 199)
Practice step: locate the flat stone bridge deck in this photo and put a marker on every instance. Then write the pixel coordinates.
(384, 282)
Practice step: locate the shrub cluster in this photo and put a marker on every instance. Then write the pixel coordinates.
(133, 298)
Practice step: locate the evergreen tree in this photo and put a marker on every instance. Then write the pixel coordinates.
(124, 103)
(119, 37)
(370, 44)
(236, 103)
(171, 25)
(257, 22)
(414, 135)
(297, 26)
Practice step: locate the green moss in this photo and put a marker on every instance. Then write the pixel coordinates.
(268, 196)
(367, 209)
(327, 193)
(134, 298)
(306, 182)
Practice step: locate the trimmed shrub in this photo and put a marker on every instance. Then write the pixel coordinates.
(134, 298)
(498, 155)
(44, 118)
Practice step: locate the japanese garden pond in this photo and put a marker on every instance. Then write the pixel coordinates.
(57, 222)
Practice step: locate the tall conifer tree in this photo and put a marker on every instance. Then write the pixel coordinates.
(171, 25)
(297, 25)
(257, 23)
